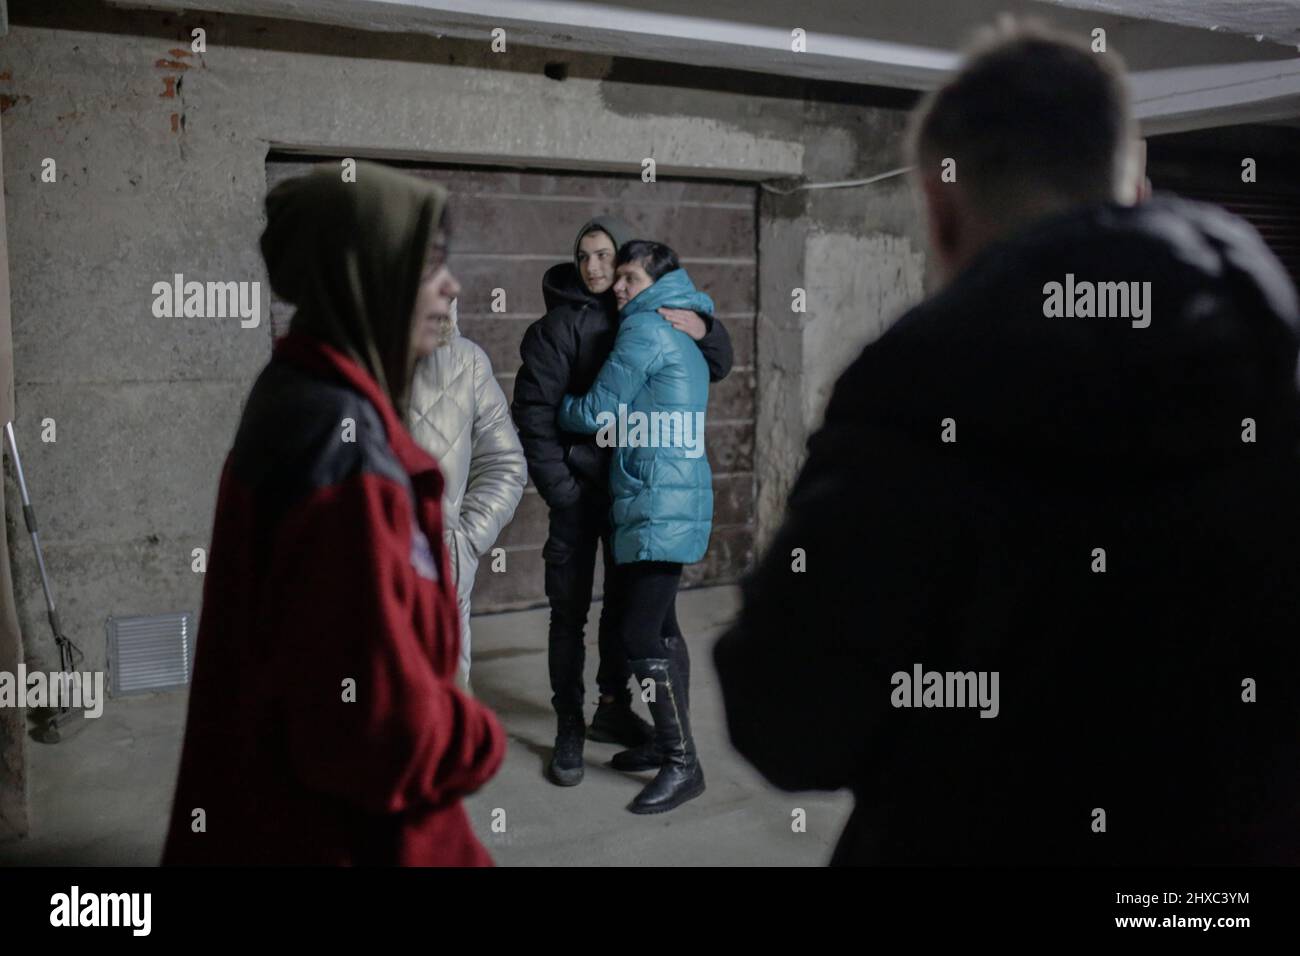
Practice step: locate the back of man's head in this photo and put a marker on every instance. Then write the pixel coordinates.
(1035, 122)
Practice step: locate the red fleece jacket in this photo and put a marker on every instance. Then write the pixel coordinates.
(324, 723)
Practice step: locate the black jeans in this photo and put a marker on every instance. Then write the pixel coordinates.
(570, 556)
(648, 598)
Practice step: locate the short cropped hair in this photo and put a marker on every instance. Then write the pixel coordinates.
(1032, 111)
(654, 257)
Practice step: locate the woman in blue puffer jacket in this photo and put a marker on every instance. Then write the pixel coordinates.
(649, 401)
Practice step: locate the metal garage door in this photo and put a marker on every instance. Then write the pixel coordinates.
(509, 226)
(1207, 165)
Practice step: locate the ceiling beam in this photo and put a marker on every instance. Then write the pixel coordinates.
(1167, 99)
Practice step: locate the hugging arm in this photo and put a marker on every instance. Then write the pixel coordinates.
(637, 355)
(712, 339)
(716, 348)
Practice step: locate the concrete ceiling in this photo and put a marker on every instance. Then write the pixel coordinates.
(1184, 74)
(1274, 20)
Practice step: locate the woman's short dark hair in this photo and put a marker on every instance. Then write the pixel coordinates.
(654, 257)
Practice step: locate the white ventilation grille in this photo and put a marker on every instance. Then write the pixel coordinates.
(150, 653)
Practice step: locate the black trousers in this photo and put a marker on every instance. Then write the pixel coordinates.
(648, 602)
(570, 556)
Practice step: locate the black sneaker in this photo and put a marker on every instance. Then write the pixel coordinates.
(565, 767)
(616, 723)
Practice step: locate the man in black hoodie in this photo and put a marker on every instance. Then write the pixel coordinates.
(1036, 598)
(562, 352)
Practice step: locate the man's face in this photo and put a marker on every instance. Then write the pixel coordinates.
(631, 281)
(596, 261)
(434, 300)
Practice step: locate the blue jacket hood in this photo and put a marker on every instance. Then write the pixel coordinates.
(672, 290)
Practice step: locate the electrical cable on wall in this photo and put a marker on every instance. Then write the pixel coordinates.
(842, 184)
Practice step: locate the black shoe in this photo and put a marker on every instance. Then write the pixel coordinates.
(680, 776)
(616, 723)
(565, 767)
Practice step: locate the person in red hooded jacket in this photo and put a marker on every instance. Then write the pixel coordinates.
(325, 726)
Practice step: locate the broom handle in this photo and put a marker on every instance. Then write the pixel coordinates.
(29, 516)
(66, 662)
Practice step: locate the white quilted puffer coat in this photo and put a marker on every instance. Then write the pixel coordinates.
(460, 415)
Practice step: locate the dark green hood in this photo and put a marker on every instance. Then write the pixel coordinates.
(349, 256)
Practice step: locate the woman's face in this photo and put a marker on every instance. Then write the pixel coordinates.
(632, 281)
(434, 300)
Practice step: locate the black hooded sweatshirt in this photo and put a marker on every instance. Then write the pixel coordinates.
(562, 352)
(1068, 502)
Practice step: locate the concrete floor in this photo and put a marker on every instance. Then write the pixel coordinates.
(102, 797)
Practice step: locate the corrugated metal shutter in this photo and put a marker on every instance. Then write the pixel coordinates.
(1208, 164)
(509, 226)
(1276, 216)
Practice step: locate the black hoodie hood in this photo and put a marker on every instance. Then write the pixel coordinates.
(1220, 347)
(562, 286)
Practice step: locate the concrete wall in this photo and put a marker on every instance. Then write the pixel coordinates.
(857, 253)
(13, 763)
(161, 170)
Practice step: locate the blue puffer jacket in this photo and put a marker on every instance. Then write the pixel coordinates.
(659, 479)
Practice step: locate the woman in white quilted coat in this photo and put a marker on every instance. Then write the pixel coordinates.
(460, 415)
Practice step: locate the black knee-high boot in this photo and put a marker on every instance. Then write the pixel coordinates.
(680, 776)
(647, 756)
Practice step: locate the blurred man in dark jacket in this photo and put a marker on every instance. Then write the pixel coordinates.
(562, 352)
(1035, 599)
